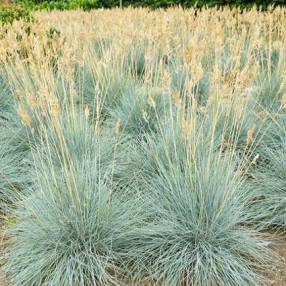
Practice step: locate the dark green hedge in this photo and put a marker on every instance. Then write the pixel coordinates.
(21, 10)
(9, 13)
(158, 3)
(190, 3)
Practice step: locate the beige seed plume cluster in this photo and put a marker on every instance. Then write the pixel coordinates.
(103, 40)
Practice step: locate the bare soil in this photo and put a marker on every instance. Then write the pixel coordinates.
(2, 243)
(277, 275)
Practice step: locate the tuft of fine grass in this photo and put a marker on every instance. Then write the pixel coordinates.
(14, 176)
(269, 186)
(68, 231)
(140, 111)
(199, 231)
(14, 152)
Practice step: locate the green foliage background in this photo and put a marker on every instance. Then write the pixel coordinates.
(190, 3)
(21, 8)
(14, 12)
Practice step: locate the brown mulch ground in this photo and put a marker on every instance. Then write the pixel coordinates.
(2, 280)
(278, 274)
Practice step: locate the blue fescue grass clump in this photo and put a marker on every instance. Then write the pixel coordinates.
(5, 95)
(139, 111)
(14, 151)
(66, 238)
(68, 231)
(14, 175)
(268, 178)
(199, 231)
(135, 60)
(179, 78)
(269, 185)
(274, 137)
(269, 91)
(100, 90)
(232, 127)
(217, 126)
(14, 133)
(268, 86)
(69, 144)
